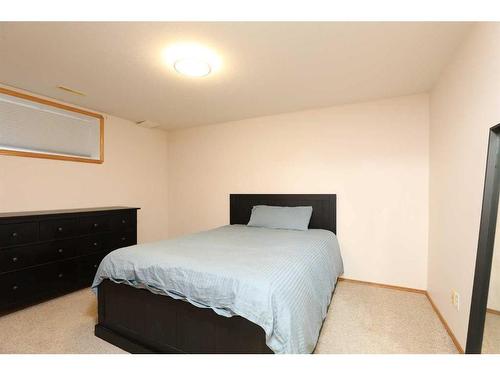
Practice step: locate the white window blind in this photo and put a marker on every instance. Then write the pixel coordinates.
(30, 126)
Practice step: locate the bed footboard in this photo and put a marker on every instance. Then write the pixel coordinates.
(139, 321)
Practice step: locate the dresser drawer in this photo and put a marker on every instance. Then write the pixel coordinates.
(62, 228)
(34, 283)
(87, 268)
(93, 244)
(123, 239)
(16, 234)
(19, 257)
(121, 222)
(56, 250)
(60, 276)
(95, 224)
(16, 286)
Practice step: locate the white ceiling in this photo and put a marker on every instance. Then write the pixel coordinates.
(268, 68)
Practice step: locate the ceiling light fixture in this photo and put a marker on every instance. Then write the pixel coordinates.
(192, 60)
(192, 67)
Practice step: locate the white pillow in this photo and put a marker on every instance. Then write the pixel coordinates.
(277, 217)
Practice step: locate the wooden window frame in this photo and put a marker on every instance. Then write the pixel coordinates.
(41, 155)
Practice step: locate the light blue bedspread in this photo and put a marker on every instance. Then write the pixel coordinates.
(281, 280)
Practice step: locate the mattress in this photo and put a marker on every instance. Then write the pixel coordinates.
(281, 280)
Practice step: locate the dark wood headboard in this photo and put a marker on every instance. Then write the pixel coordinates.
(324, 215)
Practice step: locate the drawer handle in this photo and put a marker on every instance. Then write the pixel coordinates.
(15, 287)
(124, 221)
(60, 229)
(14, 234)
(15, 259)
(60, 251)
(60, 275)
(95, 243)
(96, 225)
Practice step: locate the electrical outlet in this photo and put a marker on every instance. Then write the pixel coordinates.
(455, 299)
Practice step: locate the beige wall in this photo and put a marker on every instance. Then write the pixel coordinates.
(134, 173)
(373, 155)
(464, 104)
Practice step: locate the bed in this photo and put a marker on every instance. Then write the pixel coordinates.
(233, 289)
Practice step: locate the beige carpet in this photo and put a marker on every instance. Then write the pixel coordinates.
(361, 319)
(491, 338)
(365, 319)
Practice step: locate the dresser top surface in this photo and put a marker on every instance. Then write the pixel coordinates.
(65, 211)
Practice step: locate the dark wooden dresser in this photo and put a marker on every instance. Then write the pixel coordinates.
(45, 254)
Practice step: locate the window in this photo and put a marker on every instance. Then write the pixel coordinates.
(35, 127)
